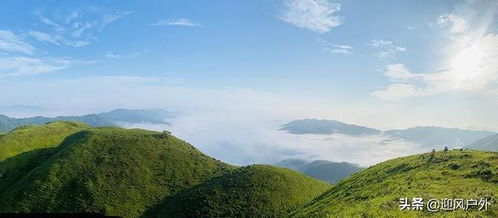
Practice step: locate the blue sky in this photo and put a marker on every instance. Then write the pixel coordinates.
(380, 63)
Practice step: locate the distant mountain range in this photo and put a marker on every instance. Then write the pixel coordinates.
(489, 143)
(429, 135)
(327, 171)
(314, 126)
(112, 118)
(424, 135)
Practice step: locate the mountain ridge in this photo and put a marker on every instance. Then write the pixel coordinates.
(428, 136)
(111, 118)
(489, 143)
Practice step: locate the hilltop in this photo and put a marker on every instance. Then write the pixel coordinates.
(32, 137)
(136, 173)
(252, 191)
(375, 192)
(111, 171)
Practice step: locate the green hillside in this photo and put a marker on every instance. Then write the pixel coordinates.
(252, 191)
(111, 171)
(375, 192)
(28, 138)
(489, 143)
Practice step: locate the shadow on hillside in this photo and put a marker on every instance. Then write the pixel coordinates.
(168, 204)
(13, 169)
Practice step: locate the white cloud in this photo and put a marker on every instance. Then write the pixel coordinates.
(237, 125)
(411, 27)
(457, 24)
(43, 37)
(335, 48)
(176, 22)
(110, 54)
(398, 91)
(340, 49)
(470, 65)
(78, 28)
(472, 68)
(315, 15)
(397, 72)
(11, 42)
(22, 66)
(387, 49)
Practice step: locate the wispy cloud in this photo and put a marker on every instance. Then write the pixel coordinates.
(411, 27)
(77, 28)
(110, 54)
(387, 49)
(456, 23)
(335, 48)
(23, 66)
(11, 42)
(176, 22)
(43, 37)
(315, 15)
(340, 49)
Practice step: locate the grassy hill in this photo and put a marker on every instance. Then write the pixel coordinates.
(28, 138)
(136, 173)
(375, 192)
(252, 191)
(489, 143)
(24, 148)
(111, 171)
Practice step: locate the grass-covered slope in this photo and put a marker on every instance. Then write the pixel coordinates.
(28, 138)
(375, 192)
(24, 148)
(111, 171)
(252, 191)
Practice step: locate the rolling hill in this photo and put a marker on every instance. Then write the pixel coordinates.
(489, 143)
(112, 118)
(314, 126)
(376, 191)
(327, 171)
(252, 191)
(28, 138)
(139, 173)
(110, 171)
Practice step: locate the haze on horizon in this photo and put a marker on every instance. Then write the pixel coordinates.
(237, 70)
